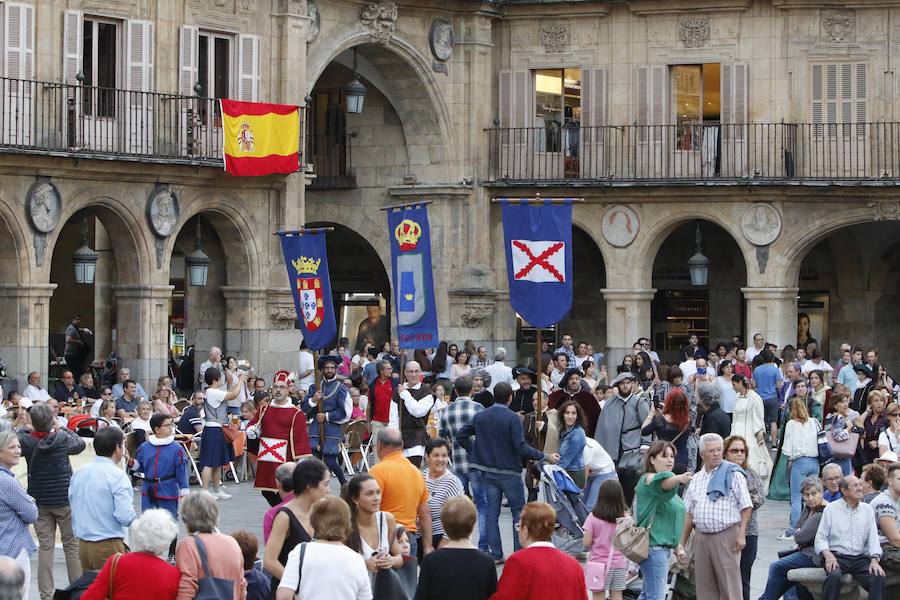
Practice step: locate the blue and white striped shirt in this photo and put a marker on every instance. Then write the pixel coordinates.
(17, 512)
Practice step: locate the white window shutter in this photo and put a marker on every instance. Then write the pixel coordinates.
(522, 99)
(658, 94)
(187, 58)
(593, 97)
(652, 91)
(73, 39)
(504, 98)
(862, 97)
(248, 46)
(733, 99)
(19, 37)
(140, 56)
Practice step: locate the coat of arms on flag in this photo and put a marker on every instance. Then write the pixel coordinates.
(309, 288)
(307, 269)
(539, 261)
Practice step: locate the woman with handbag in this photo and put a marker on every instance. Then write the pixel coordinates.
(606, 567)
(801, 447)
(841, 435)
(215, 449)
(660, 510)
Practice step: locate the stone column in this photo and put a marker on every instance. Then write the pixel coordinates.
(627, 319)
(772, 311)
(24, 331)
(104, 277)
(246, 326)
(142, 322)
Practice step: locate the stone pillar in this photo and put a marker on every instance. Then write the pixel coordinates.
(627, 319)
(772, 311)
(104, 278)
(246, 325)
(24, 331)
(142, 317)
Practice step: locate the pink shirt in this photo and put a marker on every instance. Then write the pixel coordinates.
(601, 537)
(269, 517)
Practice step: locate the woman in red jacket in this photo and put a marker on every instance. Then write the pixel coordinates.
(141, 573)
(539, 571)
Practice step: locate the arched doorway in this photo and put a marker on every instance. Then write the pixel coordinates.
(714, 311)
(850, 291)
(359, 283)
(586, 322)
(16, 324)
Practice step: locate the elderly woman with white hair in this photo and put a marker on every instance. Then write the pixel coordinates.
(143, 572)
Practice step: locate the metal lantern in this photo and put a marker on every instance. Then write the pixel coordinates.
(355, 92)
(698, 264)
(85, 258)
(197, 262)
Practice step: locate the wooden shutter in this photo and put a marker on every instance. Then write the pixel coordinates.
(73, 34)
(515, 98)
(733, 100)
(839, 93)
(140, 56)
(248, 70)
(593, 97)
(187, 58)
(652, 93)
(19, 37)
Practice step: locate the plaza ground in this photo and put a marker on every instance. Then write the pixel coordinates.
(245, 511)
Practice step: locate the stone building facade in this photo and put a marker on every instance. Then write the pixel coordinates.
(767, 125)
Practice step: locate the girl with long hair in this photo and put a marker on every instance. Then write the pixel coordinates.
(802, 450)
(372, 531)
(571, 422)
(599, 529)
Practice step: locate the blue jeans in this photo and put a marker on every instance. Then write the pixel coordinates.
(495, 487)
(846, 465)
(655, 573)
(473, 477)
(801, 468)
(777, 584)
(413, 543)
(592, 488)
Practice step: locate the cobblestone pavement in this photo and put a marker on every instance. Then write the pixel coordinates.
(245, 511)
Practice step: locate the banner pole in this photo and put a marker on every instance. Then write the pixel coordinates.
(320, 406)
(540, 385)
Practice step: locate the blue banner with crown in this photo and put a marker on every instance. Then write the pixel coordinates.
(307, 267)
(413, 281)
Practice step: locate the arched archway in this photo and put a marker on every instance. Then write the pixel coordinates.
(714, 311)
(359, 279)
(586, 322)
(17, 319)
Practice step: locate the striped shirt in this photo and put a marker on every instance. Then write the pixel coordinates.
(17, 511)
(714, 517)
(439, 491)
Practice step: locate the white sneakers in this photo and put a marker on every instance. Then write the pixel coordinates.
(220, 494)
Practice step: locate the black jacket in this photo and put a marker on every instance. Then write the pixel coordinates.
(716, 420)
(49, 469)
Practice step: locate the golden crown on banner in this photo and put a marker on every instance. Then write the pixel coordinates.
(306, 265)
(408, 233)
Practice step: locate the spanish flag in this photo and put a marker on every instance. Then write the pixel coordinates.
(260, 139)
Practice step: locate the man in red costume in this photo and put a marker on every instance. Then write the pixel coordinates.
(281, 429)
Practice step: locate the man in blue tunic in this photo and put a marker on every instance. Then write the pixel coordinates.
(336, 409)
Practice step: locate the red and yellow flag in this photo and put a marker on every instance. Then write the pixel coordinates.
(260, 138)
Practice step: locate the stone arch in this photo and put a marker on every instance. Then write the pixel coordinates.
(589, 224)
(15, 253)
(359, 222)
(420, 103)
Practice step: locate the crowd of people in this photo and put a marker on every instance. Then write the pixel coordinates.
(686, 453)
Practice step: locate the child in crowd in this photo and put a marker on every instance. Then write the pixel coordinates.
(402, 536)
(606, 568)
(258, 584)
(248, 409)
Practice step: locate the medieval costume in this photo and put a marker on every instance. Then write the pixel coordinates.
(337, 406)
(162, 464)
(584, 398)
(523, 402)
(411, 418)
(281, 429)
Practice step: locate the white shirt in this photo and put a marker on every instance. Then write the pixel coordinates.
(37, 394)
(850, 531)
(811, 366)
(801, 439)
(95, 408)
(889, 438)
(305, 359)
(752, 352)
(689, 369)
(207, 364)
(499, 373)
(329, 572)
(417, 408)
(214, 397)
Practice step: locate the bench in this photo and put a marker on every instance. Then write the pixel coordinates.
(814, 578)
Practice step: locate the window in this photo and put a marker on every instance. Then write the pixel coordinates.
(696, 100)
(557, 108)
(839, 98)
(213, 68)
(99, 62)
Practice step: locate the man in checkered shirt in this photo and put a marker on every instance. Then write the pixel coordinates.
(719, 513)
(457, 414)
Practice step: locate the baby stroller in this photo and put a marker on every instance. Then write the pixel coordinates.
(564, 496)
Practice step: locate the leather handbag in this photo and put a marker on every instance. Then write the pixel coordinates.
(631, 539)
(209, 587)
(844, 449)
(231, 433)
(112, 574)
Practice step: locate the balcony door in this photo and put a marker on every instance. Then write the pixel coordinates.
(696, 108)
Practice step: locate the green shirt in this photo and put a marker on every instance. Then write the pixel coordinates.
(669, 520)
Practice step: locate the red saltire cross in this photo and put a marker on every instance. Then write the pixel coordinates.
(265, 448)
(539, 260)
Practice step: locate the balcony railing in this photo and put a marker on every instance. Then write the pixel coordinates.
(763, 153)
(331, 158)
(38, 117)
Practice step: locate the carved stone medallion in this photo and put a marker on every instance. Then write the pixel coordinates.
(838, 26)
(473, 314)
(694, 33)
(381, 19)
(315, 21)
(440, 38)
(162, 211)
(283, 317)
(555, 37)
(761, 224)
(620, 225)
(43, 206)
(885, 211)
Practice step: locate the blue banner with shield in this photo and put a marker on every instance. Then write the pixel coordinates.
(538, 242)
(413, 280)
(307, 266)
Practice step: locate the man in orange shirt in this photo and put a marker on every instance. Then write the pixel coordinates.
(403, 490)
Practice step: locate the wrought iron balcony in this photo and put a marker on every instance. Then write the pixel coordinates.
(696, 154)
(332, 162)
(38, 117)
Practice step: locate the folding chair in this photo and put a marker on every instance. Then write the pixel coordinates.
(353, 444)
(187, 442)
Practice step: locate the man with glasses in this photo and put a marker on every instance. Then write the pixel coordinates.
(281, 429)
(831, 477)
(645, 346)
(105, 394)
(758, 346)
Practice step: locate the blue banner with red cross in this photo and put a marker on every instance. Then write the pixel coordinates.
(307, 267)
(538, 242)
(413, 281)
